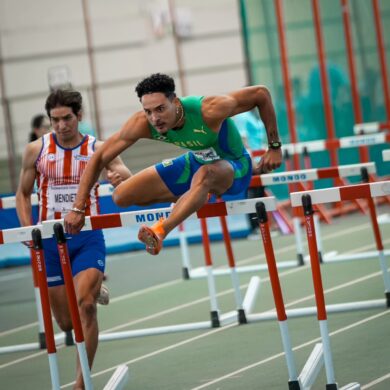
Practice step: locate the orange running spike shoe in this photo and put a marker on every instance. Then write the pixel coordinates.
(152, 237)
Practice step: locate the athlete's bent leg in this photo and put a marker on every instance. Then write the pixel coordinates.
(143, 188)
(213, 178)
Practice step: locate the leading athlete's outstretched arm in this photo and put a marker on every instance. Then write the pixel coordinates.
(135, 128)
(217, 108)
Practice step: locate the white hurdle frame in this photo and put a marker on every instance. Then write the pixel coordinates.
(306, 199)
(370, 127)
(136, 218)
(367, 191)
(304, 175)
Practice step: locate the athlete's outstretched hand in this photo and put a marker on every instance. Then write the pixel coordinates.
(271, 159)
(73, 222)
(114, 178)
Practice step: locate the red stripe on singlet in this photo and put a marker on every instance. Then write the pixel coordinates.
(51, 167)
(67, 169)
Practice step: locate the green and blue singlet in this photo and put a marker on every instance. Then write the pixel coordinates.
(205, 147)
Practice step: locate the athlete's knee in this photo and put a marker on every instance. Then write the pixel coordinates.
(121, 197)
(204, 176)
(87, 309)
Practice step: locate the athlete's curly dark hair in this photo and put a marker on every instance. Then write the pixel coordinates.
(156, 82)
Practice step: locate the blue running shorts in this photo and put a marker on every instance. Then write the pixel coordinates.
(177, 173)
(86, 250)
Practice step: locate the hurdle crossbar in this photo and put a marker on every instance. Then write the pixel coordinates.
(136, 218)
(304, 175)
(9, 202)
(370, 127)
(336, 143)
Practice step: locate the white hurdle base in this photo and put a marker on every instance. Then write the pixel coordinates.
(228, 318)
(59, 339)
(119, 379)
(334, 257)
(198, 273)
(383, 218)
(225, 319)
(312, 367)
(312, 311)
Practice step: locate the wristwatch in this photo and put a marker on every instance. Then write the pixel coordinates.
(275, 145)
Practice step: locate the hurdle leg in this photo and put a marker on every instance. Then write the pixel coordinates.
(319, 292)
(233, 271)
(316, 220)
(40, 267)
(38, 303)
(380, 248)
(73, 307)
(298, 237)
(293, 383)
(185, 255)
(210, 277)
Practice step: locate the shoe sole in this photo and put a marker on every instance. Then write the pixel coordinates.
(104, 296)
(150, 239)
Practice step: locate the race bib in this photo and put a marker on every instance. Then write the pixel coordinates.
(61, 198)
(206, 155)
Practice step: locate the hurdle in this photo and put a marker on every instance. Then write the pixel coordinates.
(368, 190)
(9, 202)
(306, 200)
(370, 127)
(134, 218)
(305, 175)
(314, 363)
(321, 354)
(335, 143)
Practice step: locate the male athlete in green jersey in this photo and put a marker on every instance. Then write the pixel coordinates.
(216, 163)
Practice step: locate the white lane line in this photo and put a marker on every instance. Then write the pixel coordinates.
(243, 369)
(298, 347)
(288, 272)
(18, 329)
(176, 281)
(376, 381)
(14, 276)
(283, 274)
(187, 305)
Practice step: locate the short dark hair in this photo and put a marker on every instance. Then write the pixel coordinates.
(64, 97)
(156, 82)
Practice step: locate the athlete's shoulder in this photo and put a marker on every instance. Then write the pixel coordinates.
(32, 151)
(192, 103)
(136, 127)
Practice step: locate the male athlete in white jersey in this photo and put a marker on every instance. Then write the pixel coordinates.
(57, 161)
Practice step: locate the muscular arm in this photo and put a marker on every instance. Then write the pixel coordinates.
(106, 156)
(116, 170)
(135, 128)
(215, 109)
(26, 183)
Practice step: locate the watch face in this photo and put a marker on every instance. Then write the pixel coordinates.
(275, 144)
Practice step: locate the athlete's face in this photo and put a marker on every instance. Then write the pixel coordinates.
(65, 123)
(162, 112)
